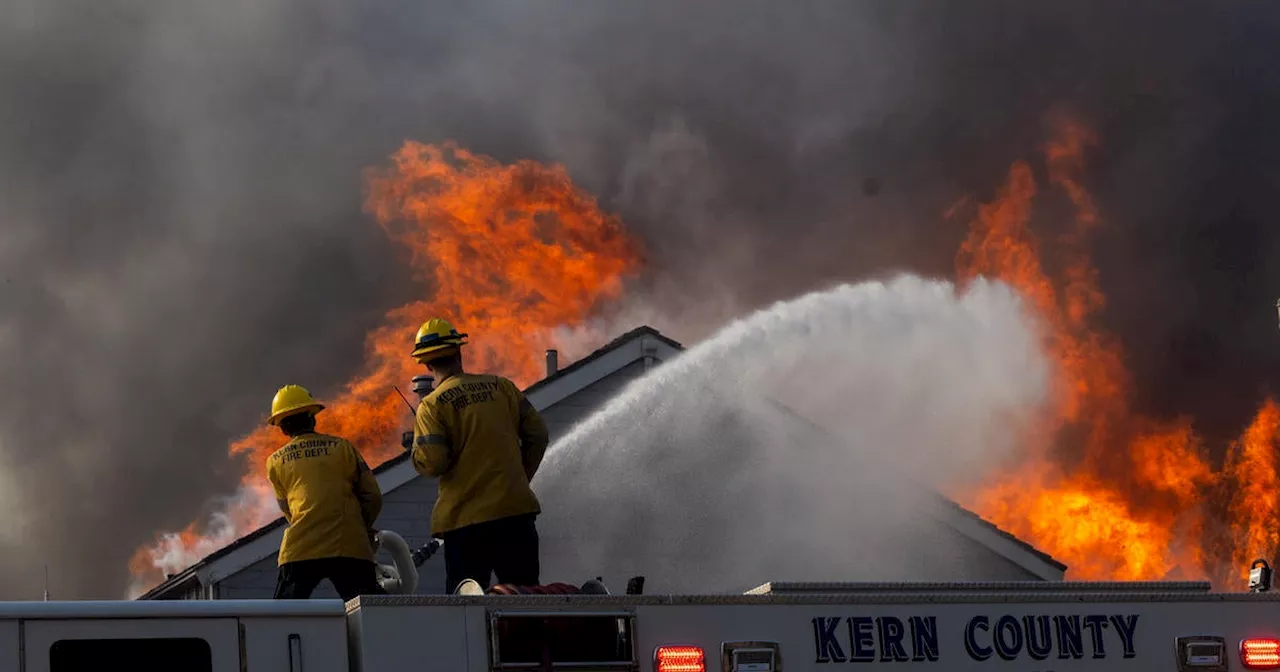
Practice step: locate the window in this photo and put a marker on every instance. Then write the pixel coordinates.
(190, 654)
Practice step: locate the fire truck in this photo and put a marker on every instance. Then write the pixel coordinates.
(818, 627)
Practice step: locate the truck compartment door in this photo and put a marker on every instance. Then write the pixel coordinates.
(10, 652)
(296, 644)
(137, 645)
(555, 640)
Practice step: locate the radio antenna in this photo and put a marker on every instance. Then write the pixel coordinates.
(406, 400)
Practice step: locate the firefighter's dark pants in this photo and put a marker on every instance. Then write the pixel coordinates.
(507, 547)
(349, 576)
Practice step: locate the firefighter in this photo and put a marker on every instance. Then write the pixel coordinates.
(329, 498)
(484, 441)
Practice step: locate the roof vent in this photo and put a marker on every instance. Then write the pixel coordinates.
(423, 384)
(553, 362)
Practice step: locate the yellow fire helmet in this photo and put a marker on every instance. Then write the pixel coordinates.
(291, 400)
(435, 336)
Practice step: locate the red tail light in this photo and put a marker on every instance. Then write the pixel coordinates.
(679, 659)
(1260, 653)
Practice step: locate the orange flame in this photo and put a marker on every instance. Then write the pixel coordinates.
(1255, 507)
(1111, 494)
(508, 253)
(511, 252)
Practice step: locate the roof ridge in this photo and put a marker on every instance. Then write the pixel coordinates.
(642, 330)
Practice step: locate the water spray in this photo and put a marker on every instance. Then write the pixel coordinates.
(767, 451)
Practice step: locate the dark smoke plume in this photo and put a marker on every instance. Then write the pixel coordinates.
(180, 224)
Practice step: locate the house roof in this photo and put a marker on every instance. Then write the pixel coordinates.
(600, 352)
(948, 505)
(607, 359)
(960, 510)
(396, 471)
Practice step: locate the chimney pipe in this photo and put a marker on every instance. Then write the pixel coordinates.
(553, 362)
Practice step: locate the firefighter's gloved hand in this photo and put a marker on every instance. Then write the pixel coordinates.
(406, 440)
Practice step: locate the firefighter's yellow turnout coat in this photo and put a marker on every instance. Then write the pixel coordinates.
(484, 440)
(329, 496)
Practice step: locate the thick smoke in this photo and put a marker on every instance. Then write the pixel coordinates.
(710, 473)
(180, 224)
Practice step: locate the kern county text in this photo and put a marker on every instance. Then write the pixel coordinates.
(864, 639)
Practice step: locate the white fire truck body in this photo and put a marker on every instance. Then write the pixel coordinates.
(1024, 627)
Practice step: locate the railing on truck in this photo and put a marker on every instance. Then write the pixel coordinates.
(905, 588)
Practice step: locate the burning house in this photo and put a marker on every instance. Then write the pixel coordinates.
(246, 568)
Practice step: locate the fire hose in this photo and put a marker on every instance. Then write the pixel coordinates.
(424, 552)
(548, 589)
(401, 577)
